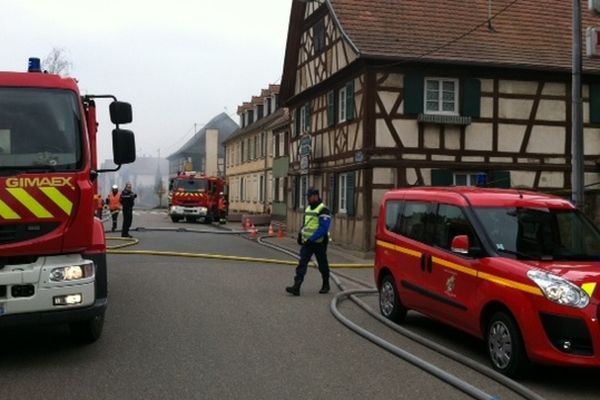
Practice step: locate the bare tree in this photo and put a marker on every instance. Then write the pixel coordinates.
(57, 62)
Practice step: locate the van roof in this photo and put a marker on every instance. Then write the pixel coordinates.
(482, 197)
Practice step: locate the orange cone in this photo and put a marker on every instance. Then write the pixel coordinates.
(271, 233)
(280, 234)
(247, 225)
(253, 232)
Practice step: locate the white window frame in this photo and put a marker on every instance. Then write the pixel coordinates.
(440, 100)
(342, 193)
(470, 177)
(342, 104)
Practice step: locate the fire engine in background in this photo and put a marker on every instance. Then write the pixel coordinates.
(195, 196)
(52, 248)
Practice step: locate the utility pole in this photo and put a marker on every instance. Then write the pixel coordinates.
(577, 165)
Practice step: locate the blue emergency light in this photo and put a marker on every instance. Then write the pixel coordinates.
(482, 179)
(34, 65)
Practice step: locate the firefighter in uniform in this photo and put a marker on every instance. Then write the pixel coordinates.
(99, 205)
(127, 201)
(313, 237)
(113, 201)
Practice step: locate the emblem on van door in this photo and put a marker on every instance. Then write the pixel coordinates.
(451, 284)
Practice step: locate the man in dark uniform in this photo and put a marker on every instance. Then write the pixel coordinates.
(313, 237)
(127, 199)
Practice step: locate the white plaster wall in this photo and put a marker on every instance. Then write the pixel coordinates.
(478, 136)
(487, 107)
(552, 110)
(517, 87)
(554, 89)
(515, 108)
(384, 176)
(551, 179)
(388, 99)
(547, 139)
(383, 136)
(522, 179)
(431, 137)
(487, 85)
(408, 132)
(591, 140)
(510, 137)
(452, 138)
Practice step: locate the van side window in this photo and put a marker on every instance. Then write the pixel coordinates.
(451, 222)
(413, 222)
(393, 211)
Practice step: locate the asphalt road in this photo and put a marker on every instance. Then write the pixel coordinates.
(183, 328)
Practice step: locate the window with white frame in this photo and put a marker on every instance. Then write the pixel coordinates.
(465, 178)
(342, 193)
(441, 96)
(342, 104)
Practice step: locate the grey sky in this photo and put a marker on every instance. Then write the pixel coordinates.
(179, 62)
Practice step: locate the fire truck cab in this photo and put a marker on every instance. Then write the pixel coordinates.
(195, 196)
(52, 247)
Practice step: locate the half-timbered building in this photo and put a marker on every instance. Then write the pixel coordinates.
(393, 93)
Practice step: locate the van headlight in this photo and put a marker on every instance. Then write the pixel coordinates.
(559, 290)
(72, 272)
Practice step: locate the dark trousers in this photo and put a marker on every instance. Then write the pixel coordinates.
(127, 218)
(306, 252)
(114, 214)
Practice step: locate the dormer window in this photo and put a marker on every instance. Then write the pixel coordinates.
(441, 96)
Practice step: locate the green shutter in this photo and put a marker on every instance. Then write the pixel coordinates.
(595, 103)
(441, 177)
(297, 122)
(413, 93)
(471, 98)
(350, 191)
(350, 100)
(296, 198)
(307, 117)
(499, 179)
(331, 108)
(333, 193)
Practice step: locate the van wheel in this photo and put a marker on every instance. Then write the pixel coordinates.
(389, 302)
(87, 331)
(505, 345)
(175, 219)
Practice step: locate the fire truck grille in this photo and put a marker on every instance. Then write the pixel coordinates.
(12, 233)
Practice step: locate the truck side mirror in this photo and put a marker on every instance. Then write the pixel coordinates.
(123, 146)
(120, 112)
(460, 244)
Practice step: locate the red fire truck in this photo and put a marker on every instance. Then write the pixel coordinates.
(196, 196)
(52, 248)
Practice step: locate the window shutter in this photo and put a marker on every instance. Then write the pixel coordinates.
(471, 98)
(333, 193)
(500, 179)
(350, 191)
(331, 109)
(307, 117)
(297, 123)
(296, 199)
(350, 100)
(595, 103)
(413, 93)
(441, 177)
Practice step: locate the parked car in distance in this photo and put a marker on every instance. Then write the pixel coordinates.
(517, 269)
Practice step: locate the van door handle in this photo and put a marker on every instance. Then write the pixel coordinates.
(429, 263)
(423, 262)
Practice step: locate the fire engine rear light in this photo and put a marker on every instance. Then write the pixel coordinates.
(72, 272)
(68, 299)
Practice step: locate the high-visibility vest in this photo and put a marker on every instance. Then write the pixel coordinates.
(114, 201)
(99, 202)
(311, 222)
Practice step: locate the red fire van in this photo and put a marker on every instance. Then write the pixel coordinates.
(517, 269)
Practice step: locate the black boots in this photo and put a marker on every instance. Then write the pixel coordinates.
(325, 288)
(295, 289)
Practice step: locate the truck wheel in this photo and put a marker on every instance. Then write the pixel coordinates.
(505, 345)
(87, 331)
(389, 302)
(175, 219)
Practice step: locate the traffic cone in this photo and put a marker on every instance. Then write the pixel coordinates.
(280, 234)
(253, 232)
(247, 225)
(271, 233)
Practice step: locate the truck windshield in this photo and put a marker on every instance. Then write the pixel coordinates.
(39, 129)
(190, 185)
(540, 233)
